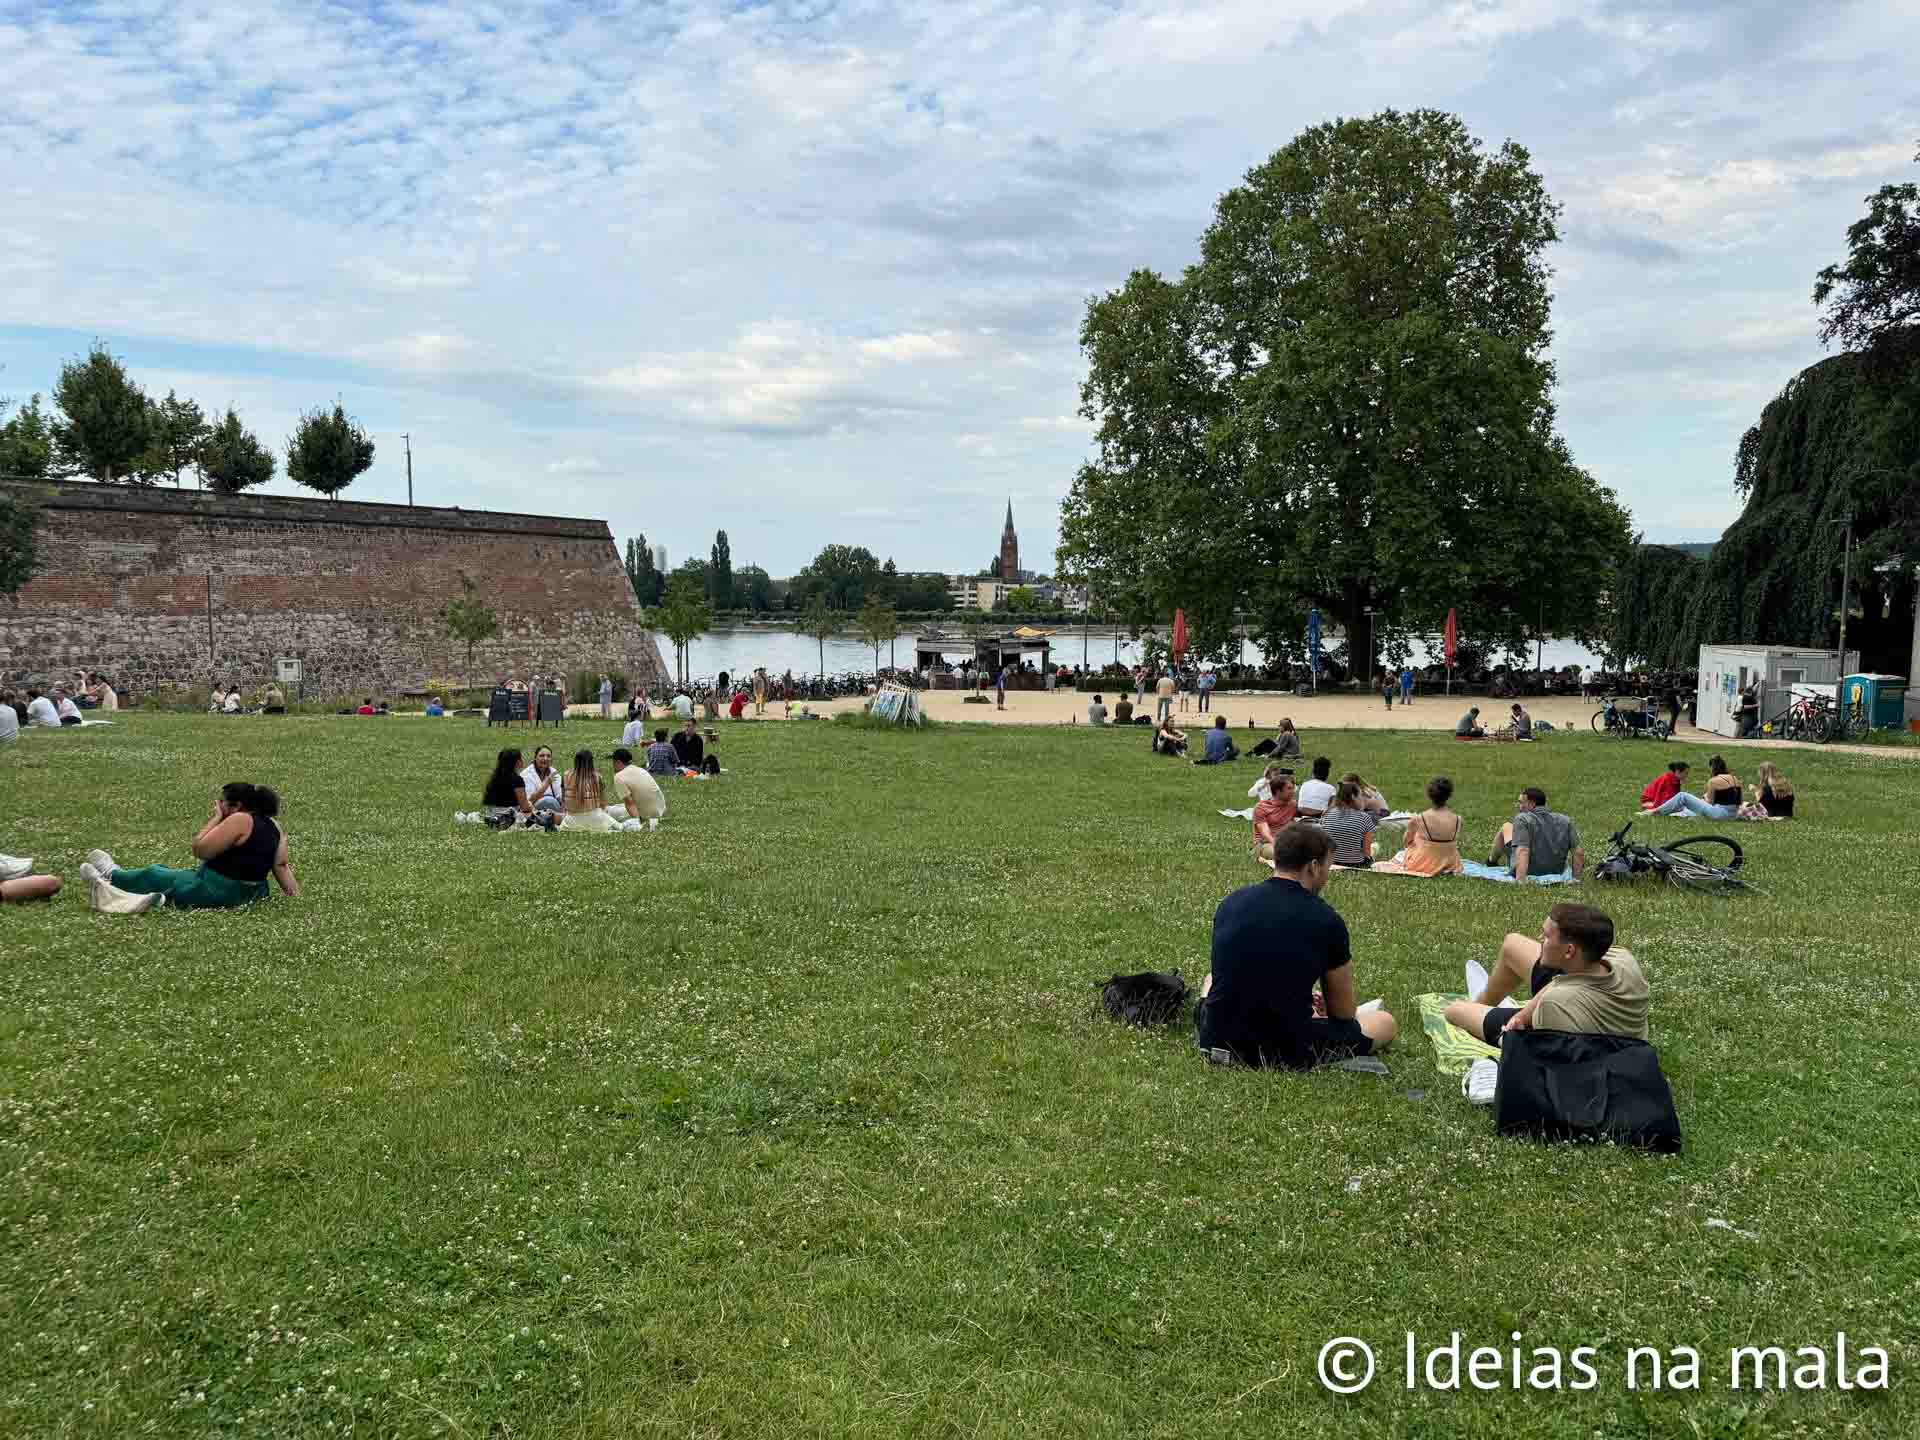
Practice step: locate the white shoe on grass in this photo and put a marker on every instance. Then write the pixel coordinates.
(1480, 1081)
(12, 867)
(103, 896)
(1476, 979)
(102, 861)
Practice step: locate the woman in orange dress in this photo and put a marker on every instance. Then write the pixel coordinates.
(1433, 837)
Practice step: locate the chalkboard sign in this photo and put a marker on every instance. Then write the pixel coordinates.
(507, 707)
(553, 707)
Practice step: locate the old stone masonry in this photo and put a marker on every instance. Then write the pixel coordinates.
(157, 588)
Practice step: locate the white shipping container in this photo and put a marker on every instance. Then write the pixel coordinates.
(1785, 672)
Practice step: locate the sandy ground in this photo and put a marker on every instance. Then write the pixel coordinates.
(1308, 713)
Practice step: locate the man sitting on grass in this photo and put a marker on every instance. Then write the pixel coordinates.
(1521, 723)
(689, 750)
(1581, 982)
(1273, 941)
(1317, 794)
(1096, 712)
(1539, 841)
(1468, 726)
(1219, 744)
(637, 793)
(661, 759)
(1123, 711)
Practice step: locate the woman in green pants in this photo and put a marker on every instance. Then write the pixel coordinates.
(238, 848)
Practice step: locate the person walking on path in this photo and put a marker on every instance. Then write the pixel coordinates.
(1206, 691)
(1406, 685)
(606, 698)
(1163, 697)
(1000, 688)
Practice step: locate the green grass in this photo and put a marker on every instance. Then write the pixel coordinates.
(794, 1117)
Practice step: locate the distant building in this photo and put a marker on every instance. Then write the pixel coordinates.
(1010, 551)
(660, 558)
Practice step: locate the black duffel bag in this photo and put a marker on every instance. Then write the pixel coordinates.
(1560, 1086)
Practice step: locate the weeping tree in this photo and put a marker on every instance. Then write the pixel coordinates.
(1345, 402)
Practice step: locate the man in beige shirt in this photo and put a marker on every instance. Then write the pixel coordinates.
(1163, 696)
(1582, 982)
(637, 793)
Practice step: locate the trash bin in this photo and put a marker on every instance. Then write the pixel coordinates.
(1882, 699)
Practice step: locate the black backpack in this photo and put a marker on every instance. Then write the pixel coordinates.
(1556, 1085)
(1153, 997)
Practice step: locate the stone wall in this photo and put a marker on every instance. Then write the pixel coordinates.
(158, 587)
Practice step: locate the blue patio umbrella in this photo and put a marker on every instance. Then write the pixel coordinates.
(1313, 643)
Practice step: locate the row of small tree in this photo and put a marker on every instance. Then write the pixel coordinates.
(104, 426)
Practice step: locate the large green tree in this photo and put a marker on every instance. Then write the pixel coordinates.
(178, 428)
(231, 458)
(328, 451)
(720, 573)
(753, 588)
(683, 616)
(104, 427)
(840, 575)
(648, 583)
(1345, 402)
(26, 442)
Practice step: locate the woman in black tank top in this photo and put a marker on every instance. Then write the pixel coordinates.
(238, 848)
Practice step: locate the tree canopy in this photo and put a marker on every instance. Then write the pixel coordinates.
(177, 429)
(328, 451)
(1345, 402)
(720, 573)
(231, 458)
(647, 581)
(683, 615)
(26, 442)
(840, 576)
(104, 427)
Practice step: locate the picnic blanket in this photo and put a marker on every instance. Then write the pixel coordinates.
(1474, 870)
(1453, 1048)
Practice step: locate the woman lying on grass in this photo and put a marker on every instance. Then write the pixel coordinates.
(238, 848)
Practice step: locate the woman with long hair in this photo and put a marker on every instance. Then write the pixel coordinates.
(505, 795)
(1350, 827)
(583, 802)
(238, 848)
(1772, 797)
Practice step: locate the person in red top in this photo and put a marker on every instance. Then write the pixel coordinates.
(1278, 810)
(366, 707)
(738, 705)
(1664, 786)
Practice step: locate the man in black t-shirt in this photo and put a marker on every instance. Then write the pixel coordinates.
(688, 747)
(1272, 943)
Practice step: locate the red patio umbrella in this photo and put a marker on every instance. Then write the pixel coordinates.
(1179, 635)
(1452, 645)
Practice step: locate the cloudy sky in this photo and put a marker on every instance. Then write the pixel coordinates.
(812, 270)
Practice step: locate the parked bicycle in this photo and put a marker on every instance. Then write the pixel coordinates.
(1612, 718)
(1711, 864)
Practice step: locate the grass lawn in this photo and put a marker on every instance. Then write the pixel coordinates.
(794, 1117)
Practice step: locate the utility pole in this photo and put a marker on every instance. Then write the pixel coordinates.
(1846, 568)
(409, 442)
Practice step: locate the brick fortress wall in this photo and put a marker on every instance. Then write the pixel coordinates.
(127, 577)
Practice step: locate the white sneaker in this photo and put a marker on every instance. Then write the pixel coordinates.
(1476, 979)
(12, 867)
(1480, 1081)
(652, 825)
(90, 872)
(103, 897)
(102, 861)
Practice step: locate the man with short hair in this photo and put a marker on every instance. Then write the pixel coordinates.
(1220, 746)
(543, 782)
(1097, 712)
(1522, 723)
(660, 757)
(41, 713)
(1123, 710)
(1205, 686)
(637, 793)
(9, 719)
(1468, 726)
(1539, 841)
(1273, 941)
(64, 707)
(606, 697)
(1406, 686)
(1317, 794)
(689, 750)
(683, 704)
(1586, 682)
(1605, 992)
(1163, 697)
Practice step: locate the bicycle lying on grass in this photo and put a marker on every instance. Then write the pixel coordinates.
(1711, 864)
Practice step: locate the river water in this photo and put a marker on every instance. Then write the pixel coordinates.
(739, 651)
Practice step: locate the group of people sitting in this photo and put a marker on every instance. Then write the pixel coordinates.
(1348, 812)
(542, 797)
(1721, 798)
(36, 710)
(684, 750)
(239, 848)
(1281, 989)
(1519, 725)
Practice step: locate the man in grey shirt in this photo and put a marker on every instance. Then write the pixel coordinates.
(1539, 841)
(1096, 712)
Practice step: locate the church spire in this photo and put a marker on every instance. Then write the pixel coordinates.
(1009, 515)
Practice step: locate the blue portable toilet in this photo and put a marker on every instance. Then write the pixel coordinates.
(1882, 699)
